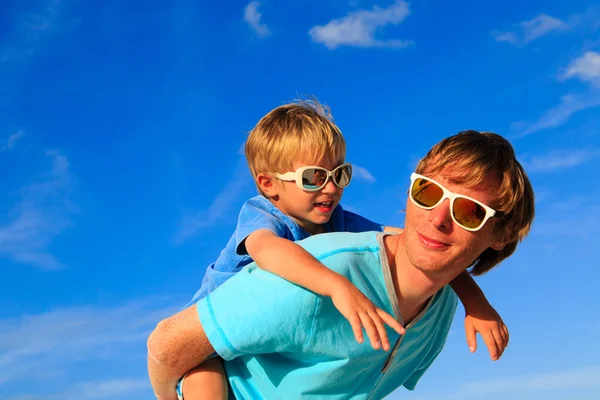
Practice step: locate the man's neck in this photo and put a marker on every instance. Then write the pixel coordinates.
(413, 287)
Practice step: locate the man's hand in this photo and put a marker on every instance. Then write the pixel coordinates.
(490, 326)
(362, 313)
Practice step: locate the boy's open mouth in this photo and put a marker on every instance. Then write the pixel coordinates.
(324, 206)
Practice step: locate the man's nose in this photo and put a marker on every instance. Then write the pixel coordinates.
(440, 215)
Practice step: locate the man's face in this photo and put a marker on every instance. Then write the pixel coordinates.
(435, 244)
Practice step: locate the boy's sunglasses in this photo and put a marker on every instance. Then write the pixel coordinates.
(467, 212)
(311, 179)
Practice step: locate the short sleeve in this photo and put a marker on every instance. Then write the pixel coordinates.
(240, 317)
(356, 223)
(252, 218)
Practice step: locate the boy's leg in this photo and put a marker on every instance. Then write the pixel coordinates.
(205, 382)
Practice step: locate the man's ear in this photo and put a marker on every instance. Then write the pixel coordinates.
(499, 244)
(267, 184)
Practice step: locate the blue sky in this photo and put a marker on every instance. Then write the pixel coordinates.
(120, 136)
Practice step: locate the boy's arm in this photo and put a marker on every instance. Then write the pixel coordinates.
(480, 316)
(269, 250)
(176, 345)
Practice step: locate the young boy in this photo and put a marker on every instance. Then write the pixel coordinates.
(296, 156)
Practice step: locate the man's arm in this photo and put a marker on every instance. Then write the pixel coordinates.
(293, 263)
(176, 345)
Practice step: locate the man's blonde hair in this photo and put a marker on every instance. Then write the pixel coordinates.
(301, 131)
(468, 158)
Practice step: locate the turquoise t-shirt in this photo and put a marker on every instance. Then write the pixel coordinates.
(281, 341)
(259, 213)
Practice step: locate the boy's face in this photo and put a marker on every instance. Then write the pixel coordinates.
(309, 209)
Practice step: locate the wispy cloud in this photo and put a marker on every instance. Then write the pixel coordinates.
(32, 345)
(556, 219)
(559, 114)
(194, 221)
(42, 213)
(112, 389)
(362, 173)
(358, 28)
(588, 20)
(11, 142)
(585, 68)
(552, 381)
(31, 29)
(253, 18)
(559, 159)
(527, 31)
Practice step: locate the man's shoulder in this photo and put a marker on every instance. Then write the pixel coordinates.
(445, 302)
(324, 245)
(344, 239)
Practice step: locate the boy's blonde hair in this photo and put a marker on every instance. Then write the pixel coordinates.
(468, 158)
(301, 131)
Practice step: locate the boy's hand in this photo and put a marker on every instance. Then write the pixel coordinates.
(490, 326)
(361, 312)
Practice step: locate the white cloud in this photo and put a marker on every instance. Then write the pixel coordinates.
(58, 340)
(43, 212)
(362, 173)
(111, 388)
(559, 159)
(11, 142)
(557, 219)
(559, 114)
(358, 28)
(586, 68)
(253, 17)
(552, 381)
(528, 31)
(193, 222)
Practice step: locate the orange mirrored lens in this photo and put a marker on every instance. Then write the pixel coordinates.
(426, 193)
(468, 213)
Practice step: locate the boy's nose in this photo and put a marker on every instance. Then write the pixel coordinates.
(329, 187)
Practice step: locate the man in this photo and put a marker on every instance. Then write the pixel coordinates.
(470, 204)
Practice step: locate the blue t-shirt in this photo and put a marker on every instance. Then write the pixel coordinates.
(281, 341)
(259, 213)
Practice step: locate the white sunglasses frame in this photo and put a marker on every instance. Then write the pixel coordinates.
(447, 194)
(296, 176)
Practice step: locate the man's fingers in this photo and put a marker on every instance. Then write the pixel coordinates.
(471, 338)
(383, 337)
(391, 321)
(369, 326)
(505, 334)
(357, 328)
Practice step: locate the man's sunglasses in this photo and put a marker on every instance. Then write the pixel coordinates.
(311, 179)
(467, 212)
